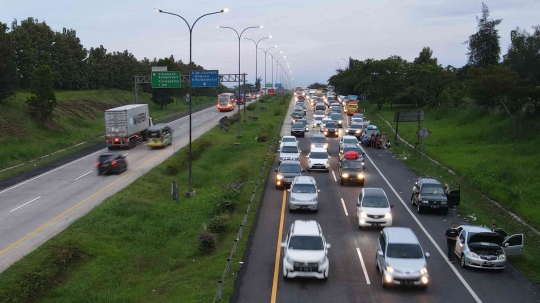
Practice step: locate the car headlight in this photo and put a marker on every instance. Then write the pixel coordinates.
(357, 131)
(314, 199)
(360, 176)
(326, 145)
(423, 270)
(444, 202)
(340, 121)
(501, 257)
(363, 215)
(293, 199)
(279, 177)
(388, 216)
(389, 269)
(289, 259)
(473, 254)
(425, 201)
(323, 260)
(312, 145)
(326, 132)
(345, 175)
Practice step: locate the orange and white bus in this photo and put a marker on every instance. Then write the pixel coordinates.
(226, 102)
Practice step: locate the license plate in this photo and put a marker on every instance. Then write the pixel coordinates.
(304, 207)
(407, 282)
(434, 206)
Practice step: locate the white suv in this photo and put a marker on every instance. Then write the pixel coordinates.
(304, 194)
(318, 159)
(305, 251)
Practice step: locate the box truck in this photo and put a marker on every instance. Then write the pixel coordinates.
(126, 125)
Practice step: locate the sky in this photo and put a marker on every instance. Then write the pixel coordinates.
(312, 34)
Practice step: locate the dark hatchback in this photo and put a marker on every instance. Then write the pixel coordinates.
(351, 171)
(298, 129)
(286, 172)
(111, 163)
(331, 129)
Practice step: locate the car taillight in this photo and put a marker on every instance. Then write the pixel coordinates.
(113, 163)
(98, 163)
(116, 139)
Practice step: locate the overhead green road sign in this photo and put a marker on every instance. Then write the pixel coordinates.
(269, 85)
(165, 79)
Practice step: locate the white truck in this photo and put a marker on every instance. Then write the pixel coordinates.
(126, 125)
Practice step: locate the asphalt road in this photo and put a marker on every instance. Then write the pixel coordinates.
(38, 207)
(353, 277)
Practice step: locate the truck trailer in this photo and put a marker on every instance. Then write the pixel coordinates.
(126, 125)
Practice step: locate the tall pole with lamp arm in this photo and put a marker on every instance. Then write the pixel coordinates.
(272, 63)
(190, 192)
(265, 54)
(239, 76)
(256, 53)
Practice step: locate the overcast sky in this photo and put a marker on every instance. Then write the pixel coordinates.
(313, 34)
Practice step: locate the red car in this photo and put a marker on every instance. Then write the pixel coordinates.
(271, 91)
(239, 99)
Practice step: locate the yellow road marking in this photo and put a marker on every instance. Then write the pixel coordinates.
(278, 250)
(92, 196)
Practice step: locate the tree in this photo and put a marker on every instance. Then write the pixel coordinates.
(425, 57)
(484, 48)
(524, 57)
(8, 69)
(317, 85)
(496, 86)
(258, 84)
(43, 102)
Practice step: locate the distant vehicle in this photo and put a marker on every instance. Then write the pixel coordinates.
(337, 118)
(226, 102)
(351, 147)
(347, 139)
(351, 171)
(298, 129)
(159, 135)
(239, 100)
(331, 129)
(126, 125)
(351, 107)
(429, 194)
(271, 91)
(306, 124)
(296, 115)
(319, 141)
(356, 129)
(111, 162)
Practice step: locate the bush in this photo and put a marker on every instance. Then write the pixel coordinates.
(277, 111)
(207, 243)
(251, 107)
(171, 170)
(262, 138)
(225, 206)
(216, 225)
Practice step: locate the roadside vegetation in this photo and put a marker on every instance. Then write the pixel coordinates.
(141, 246)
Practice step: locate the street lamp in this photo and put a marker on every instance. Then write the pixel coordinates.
(239, 39)
(277, 62)
(265, 54)
(344, 61)
(190, 192)
(256, 53)
(339, 63)
(272, 64)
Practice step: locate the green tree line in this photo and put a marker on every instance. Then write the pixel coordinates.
(511, 85)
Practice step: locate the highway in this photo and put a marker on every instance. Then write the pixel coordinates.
(353, 277)
(36, 209)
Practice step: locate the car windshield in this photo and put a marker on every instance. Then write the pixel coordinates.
(336, 116)
(304, 189)
(350, 140)
(298, 125)
(289, 149)
(318, 139)
(377, 202)
(318, 155)
(352, 164)
(290, 168)
(104, 158)
(286, 139)
(306, 243)
(319, 113)
(432, 189)
(303, 121)
(355, 126)
(331, 124)
(407, 251)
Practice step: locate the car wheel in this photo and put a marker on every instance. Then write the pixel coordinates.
(285, 273)
(383, 283)
(444, 211)
(412, 199)
(341, 181)
(325, 275)
(278, 187)
(98, 172)
(462, 261)
(418, 208)
(362, 184)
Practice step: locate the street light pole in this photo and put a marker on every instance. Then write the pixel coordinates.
(272, 63)
(265, 54)
(277, 62)
(190, 192)
(256, 53)
(239, 76)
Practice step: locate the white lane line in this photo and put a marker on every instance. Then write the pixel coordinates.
(204, 116)
(363, 265)
(344, 208)
(441, 252)
(333, 174)
(182, 126)
(194, 121)
(44, 174)
(24, 204)
(82, 176)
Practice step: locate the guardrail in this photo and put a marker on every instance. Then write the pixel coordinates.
(226, 272)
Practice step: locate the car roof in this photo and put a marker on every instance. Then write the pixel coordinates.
(306, 228)
(475, 228)
(400, 235)
(349, 137)
(374, 192)
(429, 180)
(319, 135)
(304, 180)
(290, 137)
(108, 154)
(290, 162)
(350, 145)
(290, 144)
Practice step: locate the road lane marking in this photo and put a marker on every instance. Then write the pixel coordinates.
(333, 174)
(91, 196)
(363, 265)
(278, 250)
(82, 176)
(344, 208)
(182, 126)
(193, 121)
(441, 252)
(24, 204)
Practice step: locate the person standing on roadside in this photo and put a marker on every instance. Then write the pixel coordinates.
(451, 238)
(493, 227)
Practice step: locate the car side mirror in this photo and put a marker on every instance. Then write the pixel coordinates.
(380, 253)
(283, 244)
(391, 206)
(358, 204)
(506, 244)
(328, 245)
(303, 170)
(318, 190)
(329, 157)
(288, 189)
(427, 255)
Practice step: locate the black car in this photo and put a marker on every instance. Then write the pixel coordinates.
(306, 123)
(331, 129)
(351, 147)
(111, 162)
(351, 171)
(336, 116)
(298, 129)
(429, 194)
(286, 172)
(296, 115)
(356, 129)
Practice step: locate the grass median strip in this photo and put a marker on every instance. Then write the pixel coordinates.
(140, 246)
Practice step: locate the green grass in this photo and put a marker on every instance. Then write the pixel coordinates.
(139, 245)
(489, 163)
(78, 118)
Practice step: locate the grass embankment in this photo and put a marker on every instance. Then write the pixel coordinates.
(489, 163)
(139, 245)
(78, 118)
